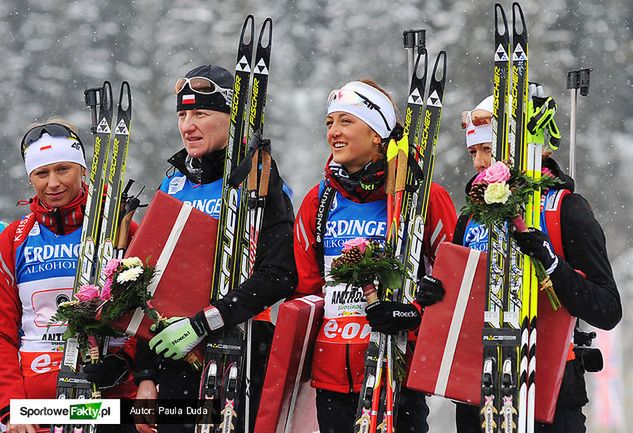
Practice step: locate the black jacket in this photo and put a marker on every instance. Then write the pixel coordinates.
(274, 276)
(594, 299)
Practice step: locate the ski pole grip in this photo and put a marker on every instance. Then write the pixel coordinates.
(408, 38)
(371, 295)
(580, 79)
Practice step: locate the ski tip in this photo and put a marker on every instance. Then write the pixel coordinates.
(248, 30)
(106, 100)
(265, 34)
(125, 97)
(439, 69)
(517, 12)
(501, 23)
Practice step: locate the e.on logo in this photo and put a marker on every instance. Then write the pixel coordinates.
(41, 363)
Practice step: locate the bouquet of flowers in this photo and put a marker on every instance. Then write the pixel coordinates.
(93, 308)
(81, 316)
(125, 289)
(499, 194)
(364, 263)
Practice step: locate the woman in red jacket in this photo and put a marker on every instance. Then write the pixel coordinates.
(38, 260)
(360, 121)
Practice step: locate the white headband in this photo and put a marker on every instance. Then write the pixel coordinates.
(361, 108)
(50, 150)
(480, 133)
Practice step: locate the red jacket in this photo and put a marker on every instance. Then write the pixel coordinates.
(340, 367)
(13, 382)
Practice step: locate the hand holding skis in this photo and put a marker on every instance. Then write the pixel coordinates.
(110, 370)
(392, 317)
(430, 291)
(183, 334)
(536, 244)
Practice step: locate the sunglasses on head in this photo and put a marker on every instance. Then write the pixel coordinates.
(352, 97)
(52, 129)
(202, 85)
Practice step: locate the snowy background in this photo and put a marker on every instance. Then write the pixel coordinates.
(53, 50)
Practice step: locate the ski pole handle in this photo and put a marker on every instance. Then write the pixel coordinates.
(371, 294)
(93, 98)
(576, 80)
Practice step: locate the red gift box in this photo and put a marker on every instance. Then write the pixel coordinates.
(180, 241)
(448, 357)
(288, 402)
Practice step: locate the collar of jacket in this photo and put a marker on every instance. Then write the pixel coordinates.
(212, 165)
(62, 220)
(330, 179)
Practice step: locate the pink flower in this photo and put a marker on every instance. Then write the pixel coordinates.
(106, 292)
(496, 173)
(480, 177)
(360, 243)
(547, 172)
(87, 292)
(111, 267)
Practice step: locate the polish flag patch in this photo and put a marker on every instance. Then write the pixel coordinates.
(189, 99)
(46, 147)
(470, 131)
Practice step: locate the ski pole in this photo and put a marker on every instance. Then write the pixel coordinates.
(414, 42)
(93, 99)
(576, 80)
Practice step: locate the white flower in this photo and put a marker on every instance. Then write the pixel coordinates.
(131, 262)
(67, 304)
(129, 275)
(497, 193)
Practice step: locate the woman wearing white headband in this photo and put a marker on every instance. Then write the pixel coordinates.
(360, 121)
(579, 270)
(38, 261)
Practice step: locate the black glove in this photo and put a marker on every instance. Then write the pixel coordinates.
(392, 317)
(430, 291)
(536, 244)
(111, 370)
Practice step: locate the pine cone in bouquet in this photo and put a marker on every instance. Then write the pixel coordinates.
(349, 257)
(477, 192)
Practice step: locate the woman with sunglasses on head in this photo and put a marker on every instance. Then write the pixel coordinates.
(360, 121)
(572, 248)
(203, 102)
(38, 262)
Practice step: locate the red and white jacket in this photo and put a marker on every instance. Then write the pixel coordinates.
(37, 267)
(338, 355)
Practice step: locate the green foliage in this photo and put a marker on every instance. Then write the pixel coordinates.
(376, 264)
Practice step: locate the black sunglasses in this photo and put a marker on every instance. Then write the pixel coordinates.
(52, 129)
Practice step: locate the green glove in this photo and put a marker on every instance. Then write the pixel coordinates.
(184, 333)
(177, 339)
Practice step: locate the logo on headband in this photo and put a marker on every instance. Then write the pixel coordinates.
(46, 147)
(189, 99)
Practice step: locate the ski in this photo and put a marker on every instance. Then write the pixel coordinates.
(99, 233)
(245, 187)
(411, 186)
(506, 315)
